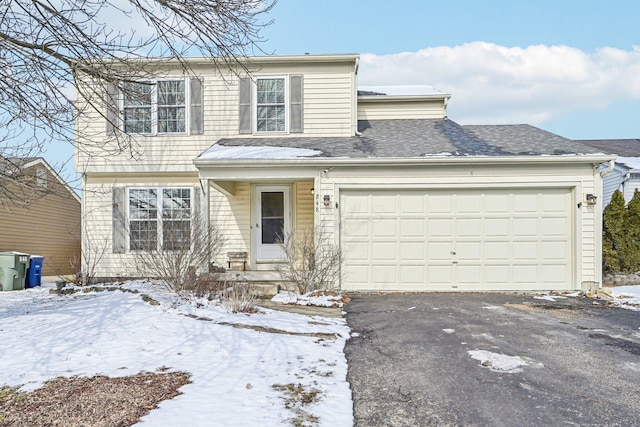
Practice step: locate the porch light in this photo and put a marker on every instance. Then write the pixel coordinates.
(312, 191)
(591, 199)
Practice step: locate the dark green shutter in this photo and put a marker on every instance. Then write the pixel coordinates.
(244, 113)
(296, 105)
(197, 106)
(119, 220)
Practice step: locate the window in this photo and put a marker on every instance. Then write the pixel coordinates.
(158, 107)
(171, 106)
(137, 108)
(271, 105)
(159, 219)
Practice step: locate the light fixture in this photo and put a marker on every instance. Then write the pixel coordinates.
(591, 199)
(326, 199)
(312, 191)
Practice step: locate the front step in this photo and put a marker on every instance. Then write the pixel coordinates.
(265, 284)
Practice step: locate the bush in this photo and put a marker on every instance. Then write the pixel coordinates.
(238, 298)
(311, 261)
(621, 234)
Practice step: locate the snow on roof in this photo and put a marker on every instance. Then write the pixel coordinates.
(400, 90)
(248, 152)
(630, 162)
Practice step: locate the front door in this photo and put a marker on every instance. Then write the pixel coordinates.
(272, 221)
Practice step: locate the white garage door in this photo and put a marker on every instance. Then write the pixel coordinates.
(494, 239)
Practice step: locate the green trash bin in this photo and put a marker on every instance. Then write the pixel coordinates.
(13, 270)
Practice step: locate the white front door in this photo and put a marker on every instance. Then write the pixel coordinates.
(272, 216)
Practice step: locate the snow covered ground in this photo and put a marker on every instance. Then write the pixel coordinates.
(627, 296)
(234, 369)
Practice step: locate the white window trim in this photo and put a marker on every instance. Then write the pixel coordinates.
(159, 218)
(254, 105)
(154, 107)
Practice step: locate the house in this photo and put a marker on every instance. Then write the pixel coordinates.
(626, 174)
(43, 217)
(414, 200)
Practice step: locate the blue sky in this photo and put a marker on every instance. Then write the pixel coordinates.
(575, 109)
(568, 66)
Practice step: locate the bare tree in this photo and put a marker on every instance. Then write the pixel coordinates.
(185, 253)
(311, 261)
(47, 47)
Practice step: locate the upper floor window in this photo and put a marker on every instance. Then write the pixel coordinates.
(271, 106)
(155, 108)
(171, 106)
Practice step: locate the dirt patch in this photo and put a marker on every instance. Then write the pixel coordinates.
(90, 402)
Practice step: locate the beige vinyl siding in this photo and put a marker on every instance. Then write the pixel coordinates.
(434, 109)
(329, 95)
(98, 207)
(232, 215)
(303, 206)
(49, 226)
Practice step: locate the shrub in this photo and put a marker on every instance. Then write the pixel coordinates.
(311, 261)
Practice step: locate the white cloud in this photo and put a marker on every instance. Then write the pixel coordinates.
(497, 84)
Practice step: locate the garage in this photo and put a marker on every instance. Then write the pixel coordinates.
(457, 239)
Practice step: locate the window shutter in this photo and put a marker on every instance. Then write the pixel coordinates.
(244, 113)
(200, 227)
(296, 100)
(112, 112)
(197, 106)
(119, 220)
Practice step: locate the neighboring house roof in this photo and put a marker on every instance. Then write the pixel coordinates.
(621, 147)
(11, 165)
(406, 139)
(628, 150)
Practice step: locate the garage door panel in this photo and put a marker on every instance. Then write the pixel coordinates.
(357, 251)
(385, 274)
(468, 227)
(384, 204)
(523, 227)
(496, 227)
(440, 204)
(496, 251)
(554, 226)
(413, 274)
(410, 204)
(468, 203)
(384, 228)
(383, 251)
(412, 227)
(491, 239)
(440, 227)
(413, 251)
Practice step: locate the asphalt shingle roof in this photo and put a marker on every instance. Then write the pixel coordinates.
(621, 147)
(411, 138)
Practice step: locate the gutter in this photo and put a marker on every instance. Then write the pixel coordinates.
(402, 161)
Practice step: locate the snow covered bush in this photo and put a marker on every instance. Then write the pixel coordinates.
(311, 261)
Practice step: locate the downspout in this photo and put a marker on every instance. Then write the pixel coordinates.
(355, 74)
(612, 164)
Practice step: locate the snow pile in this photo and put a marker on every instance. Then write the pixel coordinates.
(239, 363)
(221, 152)
(627, 297)
(318, 299)
(498, 362)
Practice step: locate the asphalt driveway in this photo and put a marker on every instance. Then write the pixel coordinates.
(410, 361)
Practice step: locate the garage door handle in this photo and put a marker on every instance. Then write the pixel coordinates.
(453, 253)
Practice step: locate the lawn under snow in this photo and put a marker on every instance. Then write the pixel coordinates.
(233, 369)
(627, 296)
